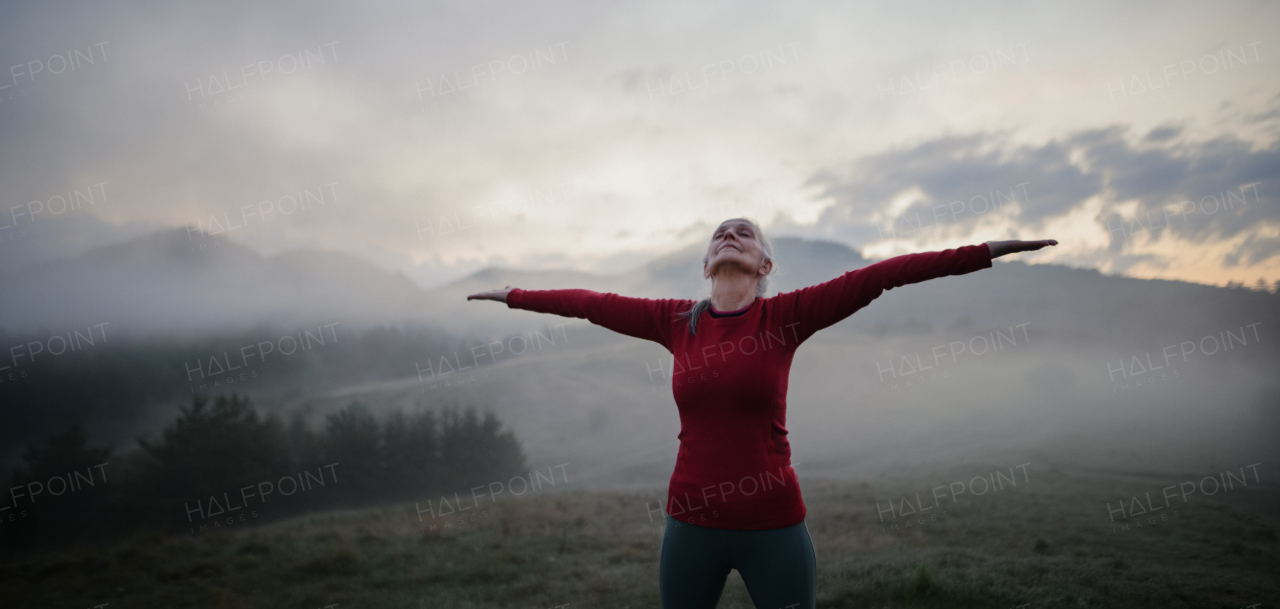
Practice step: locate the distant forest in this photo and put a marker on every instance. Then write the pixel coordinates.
(115, 387)
(221, 464)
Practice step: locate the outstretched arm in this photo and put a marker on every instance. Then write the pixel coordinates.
(639, 317)
(817, 307)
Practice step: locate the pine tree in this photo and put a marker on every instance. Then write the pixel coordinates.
(210, 450)
(410, 453)
(62, 508)
(352, 440)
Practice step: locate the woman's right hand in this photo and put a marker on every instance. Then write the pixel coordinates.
(498, 295)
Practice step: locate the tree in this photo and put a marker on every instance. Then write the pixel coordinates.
(304, 447)
(475, 451)
(352, 440)
(410, 453)
(53, 507)
(62, 452)
(212, 450)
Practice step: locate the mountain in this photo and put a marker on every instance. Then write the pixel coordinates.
(1077, 386)
(1078, 383)
(171, 283)
(31, 243)
(175, 283)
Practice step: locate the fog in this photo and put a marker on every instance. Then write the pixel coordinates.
(237, 240)
(918, 377)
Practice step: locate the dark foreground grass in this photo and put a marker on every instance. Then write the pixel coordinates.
(1047, 543)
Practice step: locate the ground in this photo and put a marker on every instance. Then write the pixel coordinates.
(1049, 542)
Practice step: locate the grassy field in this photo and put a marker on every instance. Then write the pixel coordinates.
(1047, 543)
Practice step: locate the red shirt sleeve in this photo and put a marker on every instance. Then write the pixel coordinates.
(645, 318)
(817, 307)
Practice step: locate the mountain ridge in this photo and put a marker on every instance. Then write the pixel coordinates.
(176, 282)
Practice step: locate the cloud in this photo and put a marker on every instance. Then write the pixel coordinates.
(1207, 192)
(663, 164)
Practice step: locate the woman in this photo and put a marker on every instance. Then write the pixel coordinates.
(734, 501)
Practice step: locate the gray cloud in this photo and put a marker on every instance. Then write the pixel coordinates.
(358, 120)
(1211, 190)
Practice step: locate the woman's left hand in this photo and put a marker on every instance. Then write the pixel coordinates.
(1000, 248)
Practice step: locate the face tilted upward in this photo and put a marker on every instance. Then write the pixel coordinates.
(735, 243)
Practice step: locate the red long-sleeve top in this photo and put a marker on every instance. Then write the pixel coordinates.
(733, 469)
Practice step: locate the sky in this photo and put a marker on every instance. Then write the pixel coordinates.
(439, 139)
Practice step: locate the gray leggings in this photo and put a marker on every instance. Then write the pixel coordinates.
(778, 566)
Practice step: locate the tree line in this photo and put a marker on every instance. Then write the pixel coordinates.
(221, 464)
(117, 385)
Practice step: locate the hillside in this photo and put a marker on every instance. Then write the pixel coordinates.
(1046, 542)
(858, 404)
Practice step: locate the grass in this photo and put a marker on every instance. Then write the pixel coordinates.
(1049, 544)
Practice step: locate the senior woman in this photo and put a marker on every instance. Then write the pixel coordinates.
(734, 500)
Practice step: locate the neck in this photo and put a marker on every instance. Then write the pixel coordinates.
(733, 291)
